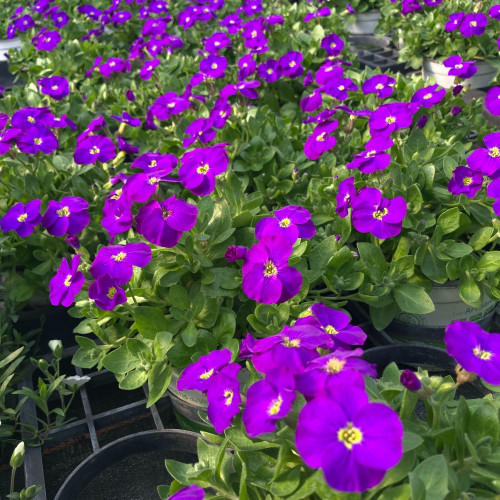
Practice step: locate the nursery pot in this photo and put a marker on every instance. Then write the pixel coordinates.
(483, 77)
(173, 442)
(6, 45)
(365, 24)
(449, 307)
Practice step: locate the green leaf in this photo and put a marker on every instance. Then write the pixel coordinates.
(120, 361)
(413, 299)
(382, 316)
(158, 381)
(411, 441)
(484, 422)
(287, 482)
(433, 473)
(481, 237)
(373, 258)
(432, 266)
(490, 262)
(178, 297)
(133, 380)
(10, 357)
(189, 334)
(469, 291)
(401, 492)
(149, 321)
(449, 220)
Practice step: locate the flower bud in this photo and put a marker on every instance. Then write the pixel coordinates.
(130, 95)
(235, 253)
(455, 110)
(422, 121)
(17, 458)
(73, 241)
(464, 376)
(410, 380)
(56, 347)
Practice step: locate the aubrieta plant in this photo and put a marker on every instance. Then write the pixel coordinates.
(436, 30)
(314, 423)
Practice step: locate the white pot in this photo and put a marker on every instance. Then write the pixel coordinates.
(6, 45)
(365, 24)
(449, 307)
(438, 71)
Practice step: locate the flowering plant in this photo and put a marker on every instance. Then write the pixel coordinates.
(309, 430)
(437, 30)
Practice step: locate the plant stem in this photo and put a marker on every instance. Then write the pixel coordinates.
(12, 478)
(132, 294)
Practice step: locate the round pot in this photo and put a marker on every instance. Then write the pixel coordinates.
(172, 440)
(438, 71)
(6, 45)
(449, 307)
(365, 24)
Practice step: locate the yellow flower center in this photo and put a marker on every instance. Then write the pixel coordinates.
(287, 342)
(31, 119)
(216, 44)
(214, 66)
(119, 256)
(467, 181)
(228, 394)
(285, 222)
(427, 96)
(486, 355)
(166, 213)
(22, 217)
(67, 281)
(341, 87)
(390, 119)
(117, 195)
(335, 365)
(94, 150)
(207, 375)
(152, 164)
(321, 137)
(330, 68)
(170, 104)
(222, 114)
(379, 214)
(254, 34)
(275, 406)
(111, 292)
(369, 154)
(331, 330)
(269, 71)
(333, 45)
(379, 86)
(112, 63)
(473, 23)
(459, 66)
(350, 435)
(494, 152)
(153, 180)
(293, 64)
(37, 141)
(203, 169)
(270, 270)
(63, 212)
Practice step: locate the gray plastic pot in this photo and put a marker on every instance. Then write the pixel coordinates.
(6, 45)
(438, 71)
(365, 24)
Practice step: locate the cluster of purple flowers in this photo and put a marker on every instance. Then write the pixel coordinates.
(337, 425)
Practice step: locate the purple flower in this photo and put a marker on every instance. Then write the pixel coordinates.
(319, 141)
(220, 113)
(336, 324)
(213, 66)
(56, 87)
(390, 117)
(428, 96)
(148, 68)
(473, 24)
(106, 293)
(345, 195)
(267, 277)
(37, 138)
(460, 68)
(155, 163)
(73, 241)
(332, 44)
(487, 160)
(324, 116)
(140, 187)
(200, 167)
(199, 375)
(455, 110)
(340, 367)
(474, 349)
(121, 17)
(312, 102)
(163, 223)
(457, 89)
(323, 12)
(118, 261)
(371, 213)
(223, 396)
(46, 40)
(270, 70)
(22, 218)
(352, 440)
(409, 6)
(328, 72)
(493, 191)
(128, 119)
(268, 401)
(381, 85)
(290, 64)
(422, 121)
(67, 282)
(494, 11)
(235, 253)
(216, 42)
(292, 222)
(126, 147)
(201, 129)
(373, 158)
(29, 116)
(94, 148)
(6, 138)
(247, 66)
(168, 105)
(94, 126)
(24, 23)
(410, 381)
(492, 101)
(246, 89)
(338, 88)
(192, 492)
(117, 216)
(454, 21)
(130, 95)
(68, 216)
(60, 18)
(246, 347)
(465, 181)
(114, 65)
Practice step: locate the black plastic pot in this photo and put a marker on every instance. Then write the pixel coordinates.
(176, 441)
(376, 53)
